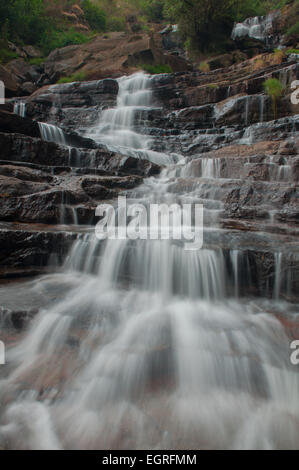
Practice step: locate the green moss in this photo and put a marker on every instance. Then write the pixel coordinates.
(292, 51)
(156, 69)
(36, 61)
(6, 55)
(76, 77)
(204, 67)
(56, 39)
(293, 30)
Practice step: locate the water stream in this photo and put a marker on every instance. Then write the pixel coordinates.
(148, 345)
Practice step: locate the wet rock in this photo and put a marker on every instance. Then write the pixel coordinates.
(33, 248)
(12, 123)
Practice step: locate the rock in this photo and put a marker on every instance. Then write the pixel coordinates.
(12, 123)
(32, 52)
(21, 248)
(117, 55)
(28, 88)
(23, 71)
(11, 85)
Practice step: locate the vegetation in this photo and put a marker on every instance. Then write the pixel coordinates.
(156, 69)
(36, 22)
(292, 51)
(275, 89)
(76, 77)
(207, 24)
(293, 30)
(54, 39)
(95, 16)
(36, 61)
(277, 56)
(204, 67)
(204, 24)
(6, 55)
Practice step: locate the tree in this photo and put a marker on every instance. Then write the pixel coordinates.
(203, 22)
(95, 16)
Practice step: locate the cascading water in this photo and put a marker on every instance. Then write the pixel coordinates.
(52, 133)
(20, 108)
(151, 346)
(116, 128)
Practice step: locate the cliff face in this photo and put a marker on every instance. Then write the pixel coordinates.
(241, 160)
(221, 122)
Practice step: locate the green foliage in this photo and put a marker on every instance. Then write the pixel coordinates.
(95, 16)
(6, 55)
(115, 23)
(54, 39)
(274, 88)
(207, 24)
(292, 51)
(293, 30)
(25, 20)
(76, 77)
(203, 22)
(204, 67)
(36, 61)
(156, 69)
(152, 9)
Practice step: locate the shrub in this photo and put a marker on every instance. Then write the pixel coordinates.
(36, 61)
(292, 51)
(7, 55)
(56, 39)
(274, 88)
(76, 77)
(156, 69)
(204, 67)
(95, 16)
(277, 56)
(293, 30)
(116, 24)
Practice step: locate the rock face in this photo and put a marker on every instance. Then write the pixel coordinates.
(240, 162)
(11, 85)
(113, 55)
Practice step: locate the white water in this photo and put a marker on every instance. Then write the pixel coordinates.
(116, 128)
(147, 345)
(52, 133)
(258, 27)
(20, 108)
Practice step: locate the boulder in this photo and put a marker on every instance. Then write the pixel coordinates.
(32, 52)
(10, 82)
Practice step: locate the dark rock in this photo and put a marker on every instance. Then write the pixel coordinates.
(12, 123)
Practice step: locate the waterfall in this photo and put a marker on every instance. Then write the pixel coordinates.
(117, 127)
(258, 27)
(146, 345)
(52, 133)
(20, 108)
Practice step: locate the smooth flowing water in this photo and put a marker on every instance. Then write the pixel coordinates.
(148, 345)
